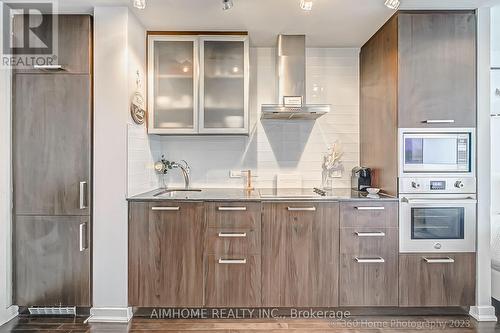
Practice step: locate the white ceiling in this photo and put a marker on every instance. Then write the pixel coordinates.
(331, 23)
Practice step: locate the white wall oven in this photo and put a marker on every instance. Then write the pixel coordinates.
(437, 222)
(436, 151)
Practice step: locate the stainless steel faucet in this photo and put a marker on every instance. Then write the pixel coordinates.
(185, 169)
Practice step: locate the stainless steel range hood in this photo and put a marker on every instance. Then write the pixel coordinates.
(291, 73)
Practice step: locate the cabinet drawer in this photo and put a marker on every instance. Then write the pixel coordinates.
(444, 279)
(233, 214)
(233, 281)
(368, 280)
(368, 241)
(233, 241)
(369, 214)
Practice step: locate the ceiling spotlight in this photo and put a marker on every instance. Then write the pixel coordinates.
(306, 4)
(140, 4)
(392, 4)
(227, 4)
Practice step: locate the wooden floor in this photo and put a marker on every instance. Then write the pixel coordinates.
(379, 324)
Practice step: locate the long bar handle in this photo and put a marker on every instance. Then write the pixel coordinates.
(370, 208)
(83, 237)
(170, 208)
(49, 67)
(83, 195)
(369, 234)
(232, 261)
(301, 209)
(369, 260)
(439, 121)
(233, 234)
(229, 208)
(446, 260)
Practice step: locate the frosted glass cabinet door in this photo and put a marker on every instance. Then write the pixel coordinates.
(172, 85)
(224, 84)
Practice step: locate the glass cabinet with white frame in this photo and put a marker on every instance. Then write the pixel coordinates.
(198, 84)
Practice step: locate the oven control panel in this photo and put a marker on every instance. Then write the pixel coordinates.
(437, 185)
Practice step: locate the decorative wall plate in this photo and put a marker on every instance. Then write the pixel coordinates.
(137, 109)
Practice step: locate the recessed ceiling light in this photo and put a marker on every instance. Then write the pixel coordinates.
(392, 4)
(227, 4)
(140, 4)
(306, 4)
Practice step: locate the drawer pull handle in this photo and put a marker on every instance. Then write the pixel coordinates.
(49, 67)
(232, 261)
(165, 208)
(232, 208)
(83, 237)
(301, 209)
(369, 234)
(439, 121)
(446, 260)
(232, 234)
(83, 195)
(370, 208)
(369, 260)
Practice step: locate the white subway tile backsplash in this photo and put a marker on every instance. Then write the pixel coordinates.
(273, 147)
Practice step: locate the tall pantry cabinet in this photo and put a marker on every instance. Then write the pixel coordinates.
(52, 173)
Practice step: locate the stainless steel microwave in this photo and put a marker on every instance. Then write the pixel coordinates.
(436, 151)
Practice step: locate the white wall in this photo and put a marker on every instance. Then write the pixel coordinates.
(495, 36)
(6, 310)
(276, 147)
(118, 54)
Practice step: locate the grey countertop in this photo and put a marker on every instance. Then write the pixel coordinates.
(234, 194)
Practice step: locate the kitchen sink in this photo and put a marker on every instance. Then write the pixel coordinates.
(173, 191)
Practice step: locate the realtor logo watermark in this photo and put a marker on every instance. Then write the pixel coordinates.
(29, 34)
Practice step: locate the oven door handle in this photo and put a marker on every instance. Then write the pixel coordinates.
(467, 200)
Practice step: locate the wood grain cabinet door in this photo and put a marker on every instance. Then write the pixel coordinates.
(166, 254)
(51, 261)
(233, 281)
(72, 47)
(300, 254)
(437, 69)
(432, 279)
(51, 144)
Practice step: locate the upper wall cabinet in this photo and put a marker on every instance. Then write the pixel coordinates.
(198, 84)
(437, 69)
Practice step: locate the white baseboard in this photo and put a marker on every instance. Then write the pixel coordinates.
(110, 315)
(483, 313)
(8, 314)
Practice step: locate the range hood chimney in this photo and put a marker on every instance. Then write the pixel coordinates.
(291, 74)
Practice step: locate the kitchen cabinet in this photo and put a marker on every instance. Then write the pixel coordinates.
(198, 84)
(166, 254)
(368, 254)
(233, 254)
(437, 69)
(444, 279)
(74, 44)
(417, 71)
(51, 261)
(51, 131)
(300, 254)
(52, 173)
